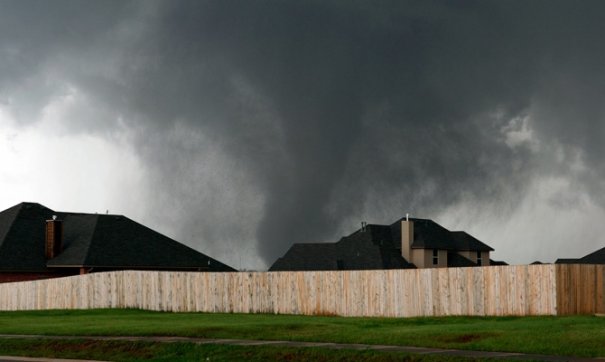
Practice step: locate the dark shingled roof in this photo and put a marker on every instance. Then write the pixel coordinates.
(370, 248)
(319, 256)
(427, 235)
(464, 241)
(597, 257)
(455, 260)
(92, 241)
(430, 235)
(22, 230)
(568, 261)
(497, 262)
(379, 247)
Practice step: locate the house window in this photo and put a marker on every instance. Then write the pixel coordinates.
(479, 260)
(340, 265)
(435, 257)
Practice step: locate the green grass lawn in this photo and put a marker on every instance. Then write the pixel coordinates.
(175, 352)
(571, 336)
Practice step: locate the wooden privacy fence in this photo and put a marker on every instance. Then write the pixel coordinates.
(480, 291)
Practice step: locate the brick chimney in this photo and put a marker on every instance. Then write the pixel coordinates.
(54, 237)
(407, 238)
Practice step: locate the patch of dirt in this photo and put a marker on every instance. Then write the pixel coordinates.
(466, 338)
(131, 348)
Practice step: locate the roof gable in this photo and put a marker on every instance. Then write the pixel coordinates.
(91, 240)
(115, 241)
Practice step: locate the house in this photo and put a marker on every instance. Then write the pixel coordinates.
(407, 243)
(497, 263)
(597, 257)
(37, 242)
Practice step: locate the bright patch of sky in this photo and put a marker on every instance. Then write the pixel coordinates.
(44, 163)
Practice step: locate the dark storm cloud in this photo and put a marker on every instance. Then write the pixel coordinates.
(331, 110)
(36, 37)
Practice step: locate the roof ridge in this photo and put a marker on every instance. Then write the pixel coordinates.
(86, 213)
(327, 242)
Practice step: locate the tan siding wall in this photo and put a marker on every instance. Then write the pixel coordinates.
(442, 258)
(423, 258)
(418, 258)
(470, 255)
(485, 257)
(496, 290)
(407, 238)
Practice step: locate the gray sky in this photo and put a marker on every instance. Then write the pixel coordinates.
(242, 127)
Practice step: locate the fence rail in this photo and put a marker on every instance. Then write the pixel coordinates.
(480, 291)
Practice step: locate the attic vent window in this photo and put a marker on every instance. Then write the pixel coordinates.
(435, 257)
